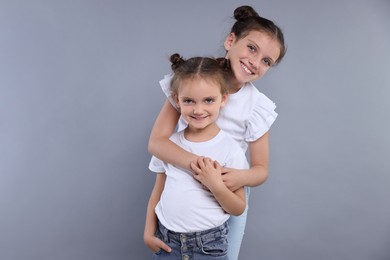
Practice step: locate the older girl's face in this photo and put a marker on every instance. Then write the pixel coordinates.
(252, 56)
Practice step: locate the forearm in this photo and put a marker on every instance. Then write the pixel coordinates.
(255, 176)
(233, 203)
(259, 159)
(151, 218)
(169, 152)
(150, 224)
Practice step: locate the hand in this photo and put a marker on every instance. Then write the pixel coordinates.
(208, 172)
(232, 178)
(155, 244)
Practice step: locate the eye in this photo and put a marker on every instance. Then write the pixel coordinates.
(252, 48)
(267, 62)
(209, 100)
(188, 101)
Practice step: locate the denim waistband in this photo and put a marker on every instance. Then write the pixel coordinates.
(208, 234)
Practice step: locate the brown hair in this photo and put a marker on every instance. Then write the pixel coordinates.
(247, 20)
(215, 69)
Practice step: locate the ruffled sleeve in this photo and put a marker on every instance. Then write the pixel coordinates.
(165, 84)
(156, 165)
(262, 117)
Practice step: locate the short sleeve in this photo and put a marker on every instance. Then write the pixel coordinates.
(261, 119)
(156, 165)
(165, 84)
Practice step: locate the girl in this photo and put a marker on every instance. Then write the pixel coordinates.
(190, 219)
(254, 45)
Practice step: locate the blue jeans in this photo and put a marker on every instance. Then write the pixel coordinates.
(209, 244)
(236, 230)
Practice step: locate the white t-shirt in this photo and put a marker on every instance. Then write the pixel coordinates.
(185, 206)
(247, 115)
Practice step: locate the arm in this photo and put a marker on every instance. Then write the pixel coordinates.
(159, 143)
(150, 239)
(209, 173)
(258, 172)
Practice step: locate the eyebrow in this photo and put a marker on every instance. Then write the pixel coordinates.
(184, 97)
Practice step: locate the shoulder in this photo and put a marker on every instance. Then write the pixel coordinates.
(261, 117)
(258, 99)
(258, 96)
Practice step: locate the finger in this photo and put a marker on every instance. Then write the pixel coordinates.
(208, 162)
(195, 168)
(164, 247)
(197, 177)
(201, 162)
(217, 165)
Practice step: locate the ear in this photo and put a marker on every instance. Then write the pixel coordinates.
(224, 100)
(229, 41)
(176, 99)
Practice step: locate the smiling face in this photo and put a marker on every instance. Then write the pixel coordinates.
(200, 101)
(251, 56)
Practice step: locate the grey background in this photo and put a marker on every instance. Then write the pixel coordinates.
(79, 94)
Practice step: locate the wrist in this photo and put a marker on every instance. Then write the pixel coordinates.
(217, 188)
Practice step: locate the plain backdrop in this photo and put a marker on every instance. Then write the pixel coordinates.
(79, 94)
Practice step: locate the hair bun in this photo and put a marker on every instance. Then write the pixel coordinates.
(176, 60)
(244, 12)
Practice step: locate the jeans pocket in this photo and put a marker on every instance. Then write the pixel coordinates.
(215, 247)
(161, 237)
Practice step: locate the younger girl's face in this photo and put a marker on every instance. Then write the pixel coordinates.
(252, 56)
(200, 101)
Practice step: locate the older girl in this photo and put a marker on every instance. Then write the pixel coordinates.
(254, 45)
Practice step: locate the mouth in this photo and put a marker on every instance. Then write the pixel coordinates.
(198, 118)
(246, 69)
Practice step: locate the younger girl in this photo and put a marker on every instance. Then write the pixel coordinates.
(254, 45)
(191, 219)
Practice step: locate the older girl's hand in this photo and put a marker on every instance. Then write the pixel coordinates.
(233, 178)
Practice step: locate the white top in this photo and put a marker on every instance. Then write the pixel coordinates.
(247, 115)
(185, 206)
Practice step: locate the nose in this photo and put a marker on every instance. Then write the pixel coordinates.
(197, 109)
(255, 63)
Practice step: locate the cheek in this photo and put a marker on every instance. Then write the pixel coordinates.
(263, 71)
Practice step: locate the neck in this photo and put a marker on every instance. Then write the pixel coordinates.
(201, 135)
(235, 86)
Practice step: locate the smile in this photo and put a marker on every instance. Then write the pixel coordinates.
(247, 70)
(198, 117)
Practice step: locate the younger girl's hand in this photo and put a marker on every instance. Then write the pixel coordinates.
(208, 172)
(232, 178)
(155, 244)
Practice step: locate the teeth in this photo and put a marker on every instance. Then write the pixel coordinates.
(199, 117)
(246, 69)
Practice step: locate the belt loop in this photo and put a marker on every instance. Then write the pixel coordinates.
(198, 238)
